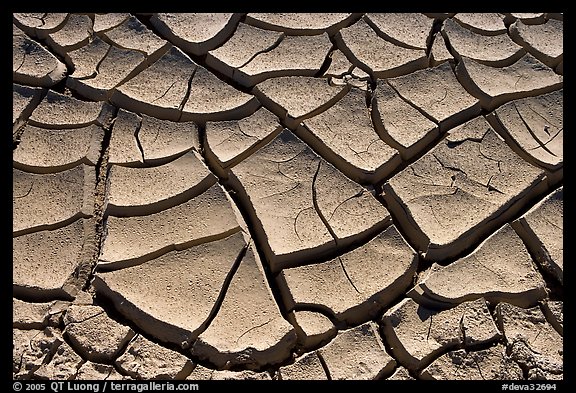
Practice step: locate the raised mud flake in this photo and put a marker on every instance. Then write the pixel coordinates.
(167, 185)
(132, 34)
(24, 100)
(536, 126)
(436, 92)
(500, 269)
(115, 67)
(534, 344)
(176, 88)
(542, 229)
(44, 262)
(485, 23)
(30, 349)
(32, 64)
(461, 190)
(145, 359)
(50, 200)
(160, 90)
(300, 23)
(74, 33)
(306, 367)
(439, 52)
(409, 29)
(293, 56)
(495, 86)
(107, 21)
(395, 118)
(210, 98)
(44, 150)
(61, 111)
(493, 50)
(246, 42)
(357, 354)
(133, 240)
(172, 297)
(417, 334)
(350, 211)
(313, 328)
(230, 142)
(291, 214)
(277, 183)
(248, 329)
(37, 24)
(164, 139)
(378, 57)
(94, 334)
(353, 145)
(123, 147)
(294, 98)
(485, 364)
(85, 60)
(144, 140)
(356, 285)
(339, 64)
(545, 41)
(63, 365)
(195, 33)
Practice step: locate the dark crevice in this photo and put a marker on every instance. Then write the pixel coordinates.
(281, 38)
(406, 100)
(256, 242)
(26, 193)
(554, 287)
(436, 27)
(347, 276)
(100, 197)
(317, 207)
(136, 137)
(113, 313)
(324, 365)
(320, 309)
(532, 134)
(141, 259)
(357, 195)
(50, 227)
(145, 20)
(222, 293)
(327, 61)
(252, 328)
(198, 59)
(187, 95)
(97, 68)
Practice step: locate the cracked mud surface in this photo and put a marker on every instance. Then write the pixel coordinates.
(287, 196)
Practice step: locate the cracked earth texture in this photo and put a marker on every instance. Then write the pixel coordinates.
(287, 196)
